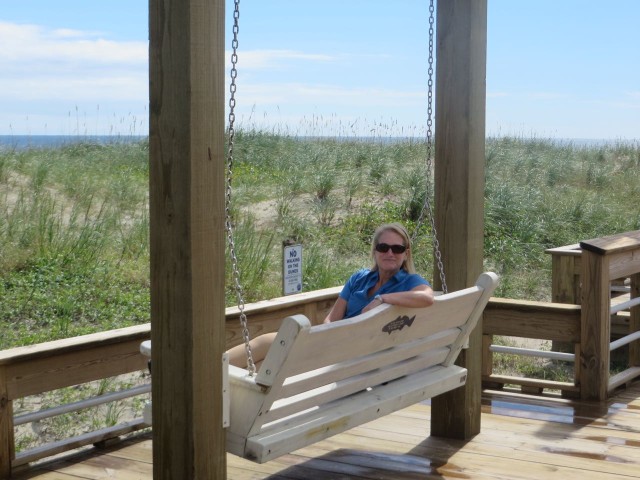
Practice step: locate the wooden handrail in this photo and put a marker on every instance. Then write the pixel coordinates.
(40, 368)
(530, 319)
(613, 244)
(48, 366)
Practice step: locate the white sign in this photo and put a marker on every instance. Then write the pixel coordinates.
(292, 269)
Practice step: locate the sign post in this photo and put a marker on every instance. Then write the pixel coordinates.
(291, 268)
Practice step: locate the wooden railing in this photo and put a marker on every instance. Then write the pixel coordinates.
(605, 260)
(37, 369)
(46, 367)
(554, 322)
(596, 287)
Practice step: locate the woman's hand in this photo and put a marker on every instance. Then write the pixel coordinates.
(418, 297)
(376, 302)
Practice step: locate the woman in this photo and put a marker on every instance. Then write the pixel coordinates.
(392, 279)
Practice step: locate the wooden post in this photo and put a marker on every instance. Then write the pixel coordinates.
(566, 268)
(595, 328)
(603, 259)
(634, 321)
(459, 186)
(7, 445)
(186, 144)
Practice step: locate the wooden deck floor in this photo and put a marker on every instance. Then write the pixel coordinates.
(521, 438)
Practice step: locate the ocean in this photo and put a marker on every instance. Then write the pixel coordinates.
(26, 142)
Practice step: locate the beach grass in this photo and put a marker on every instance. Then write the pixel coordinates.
(74, 221)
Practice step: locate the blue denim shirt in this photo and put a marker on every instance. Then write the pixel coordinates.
(356, 288)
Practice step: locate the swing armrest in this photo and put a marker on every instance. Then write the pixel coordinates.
(247, 400)
(291, 329)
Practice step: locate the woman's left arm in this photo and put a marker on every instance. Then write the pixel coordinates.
(417, 297)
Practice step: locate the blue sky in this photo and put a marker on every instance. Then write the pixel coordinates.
(555, 68)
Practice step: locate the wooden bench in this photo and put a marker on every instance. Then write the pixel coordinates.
(318, 381)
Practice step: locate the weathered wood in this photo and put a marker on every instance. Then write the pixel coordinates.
(531, 382)
(39, 368)
(624, 263)
(315, 301)
(622, 378)
(34, 376)
(566, 268)
(603, 260)
(7, 449)
(187, 160)
(619, 243)
(634, 321)
(522, 437)
(498, 318)
(487, 355)
(595, 327)
(529, 319)
(69, 444)
(81, 343)
(459, 185)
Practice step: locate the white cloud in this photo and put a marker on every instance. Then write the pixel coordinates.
(54, 65)
(94, 88)
(47, 73)
(28, 44)
(70, 33)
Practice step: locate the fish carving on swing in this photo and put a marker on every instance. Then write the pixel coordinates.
(398, 324)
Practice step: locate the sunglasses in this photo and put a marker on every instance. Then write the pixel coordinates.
(384, 248)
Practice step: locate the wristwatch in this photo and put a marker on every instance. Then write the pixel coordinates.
(379, 297)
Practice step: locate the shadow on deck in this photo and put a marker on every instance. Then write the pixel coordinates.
(522, 437)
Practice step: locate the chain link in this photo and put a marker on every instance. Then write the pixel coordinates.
(427, 202)
(251, 366)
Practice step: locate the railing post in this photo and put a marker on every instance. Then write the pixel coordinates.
(634, 321)
(565, 274)
(595, 326)
(487, 355)
(603, 260)
(7, 447)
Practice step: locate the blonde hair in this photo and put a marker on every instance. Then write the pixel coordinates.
(407, 265)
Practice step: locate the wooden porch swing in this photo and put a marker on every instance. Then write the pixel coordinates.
(317, 381)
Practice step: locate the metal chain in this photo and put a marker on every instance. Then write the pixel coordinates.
(251, 366)
(427, 202)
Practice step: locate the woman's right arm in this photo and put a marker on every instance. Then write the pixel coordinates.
(337, 311)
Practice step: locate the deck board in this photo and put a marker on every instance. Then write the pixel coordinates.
(523, 438)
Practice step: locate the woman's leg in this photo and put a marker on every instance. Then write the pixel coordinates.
(259, 348)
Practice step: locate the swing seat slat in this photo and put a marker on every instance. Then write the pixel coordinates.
(350, 411)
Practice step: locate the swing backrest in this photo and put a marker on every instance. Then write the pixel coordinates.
(311, 374)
